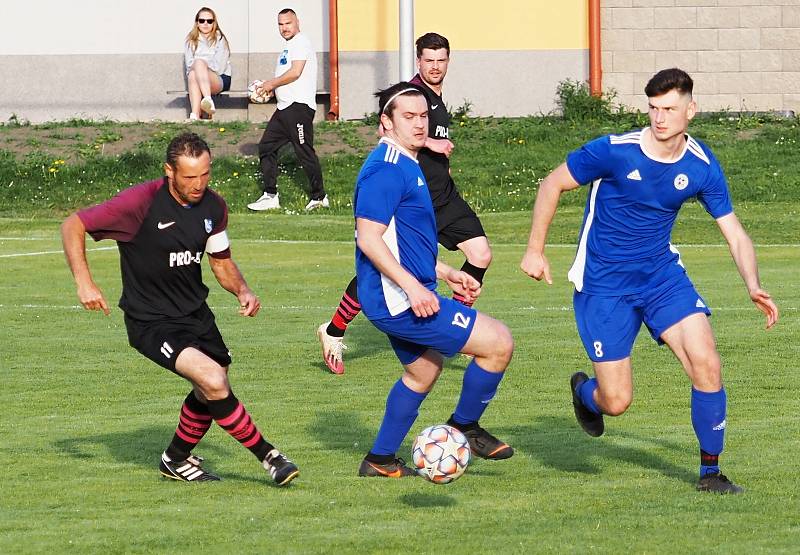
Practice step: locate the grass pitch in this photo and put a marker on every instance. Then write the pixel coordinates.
(86, 417)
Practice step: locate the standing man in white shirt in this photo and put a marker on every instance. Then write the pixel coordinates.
(295, 86)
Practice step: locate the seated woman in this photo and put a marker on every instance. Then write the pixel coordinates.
(208, 66)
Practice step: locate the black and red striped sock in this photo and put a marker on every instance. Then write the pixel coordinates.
(348, 309)
(475, 272)
(232, 417)
(194, 422)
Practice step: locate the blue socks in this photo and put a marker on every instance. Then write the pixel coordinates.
(586, 393)
(402, 408)
(477, 389)
(708, 421)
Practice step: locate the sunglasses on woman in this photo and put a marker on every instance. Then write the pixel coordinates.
(201, 20)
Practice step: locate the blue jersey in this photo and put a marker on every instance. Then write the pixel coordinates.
(391, 190)
(633, 201)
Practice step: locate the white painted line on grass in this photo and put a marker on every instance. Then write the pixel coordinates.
(18, 254)
(301, 308)
(293, 242)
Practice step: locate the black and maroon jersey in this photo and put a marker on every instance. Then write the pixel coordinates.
(435, 166)
(161, 244)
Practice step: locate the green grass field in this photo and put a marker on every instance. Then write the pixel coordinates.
(86, 417)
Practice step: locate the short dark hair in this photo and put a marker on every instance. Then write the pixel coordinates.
(434, 41)
(284, 11)
(667, 80)
(186, 144)
(388, 96)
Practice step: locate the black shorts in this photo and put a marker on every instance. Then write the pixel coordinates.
(456, 222)
(163, 340)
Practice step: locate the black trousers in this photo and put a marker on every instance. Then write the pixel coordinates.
(294, 124)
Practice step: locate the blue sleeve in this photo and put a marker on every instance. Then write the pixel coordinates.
(378, 194)
(591, 161)
(714, 195)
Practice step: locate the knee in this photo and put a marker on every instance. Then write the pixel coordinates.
(503, 345)
(707, 372)
(214, 384)
(481, 257)
(616, 404)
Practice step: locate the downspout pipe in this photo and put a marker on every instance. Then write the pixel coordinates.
(333, 58)
(407, 53)
(595, 50)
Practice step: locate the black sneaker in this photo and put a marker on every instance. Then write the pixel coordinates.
(281, 469)
(188, 470)
(718, 483)
(591, 423)
(482, 443)
(394, 469)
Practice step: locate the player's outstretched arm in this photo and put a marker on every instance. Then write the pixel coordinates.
(460, 282)
(744, 256)
(73, 238)
(370, 241)
(442, 146)
(231, 279)
(534, 262)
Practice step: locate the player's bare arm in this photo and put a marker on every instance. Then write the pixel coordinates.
(231, 279)
(460, 282)
(534, 262)
(73, 237)
(291, 75)
(442, 146)
(744, 256)
(370, 241)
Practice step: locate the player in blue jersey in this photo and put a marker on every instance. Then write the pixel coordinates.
(457, 224)
(627, 273)
(397, 270)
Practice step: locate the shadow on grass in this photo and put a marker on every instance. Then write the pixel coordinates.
(341, 431)
(559, 444)
(143, 447)
(426, 500)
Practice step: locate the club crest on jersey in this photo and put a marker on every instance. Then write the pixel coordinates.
(207, 223)
(681, 181)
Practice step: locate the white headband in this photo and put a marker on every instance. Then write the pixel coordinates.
(395, 95)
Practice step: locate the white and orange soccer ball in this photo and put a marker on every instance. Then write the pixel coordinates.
(252, 92)
(441, 453)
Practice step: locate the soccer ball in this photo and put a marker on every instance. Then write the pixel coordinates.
(253, 95)
(441, 453)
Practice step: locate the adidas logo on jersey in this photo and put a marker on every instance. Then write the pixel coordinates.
(700, 304)
(420, 182)
(634, 175)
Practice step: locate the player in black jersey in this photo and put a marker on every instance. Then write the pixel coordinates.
(162, 229)
(457, 224)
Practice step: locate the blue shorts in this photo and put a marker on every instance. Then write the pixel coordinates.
(447, 331)
(608, 325)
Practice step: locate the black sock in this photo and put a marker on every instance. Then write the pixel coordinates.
(474, 271)
(379, 459)
(232, 417)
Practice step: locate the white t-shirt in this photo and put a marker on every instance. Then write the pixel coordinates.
(304, 89)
